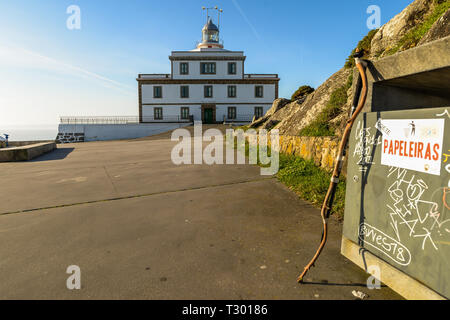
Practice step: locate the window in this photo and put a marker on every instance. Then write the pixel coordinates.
(185, 113)
(231, 91)
(208, 68)
(259, 91)
(184, 91)
(231, 67)
(157, 92)
(158, 113)
(184, 68)
(258, 112)
(231, 113)
(208, 91)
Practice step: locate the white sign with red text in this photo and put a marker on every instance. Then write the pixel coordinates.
(414, 144)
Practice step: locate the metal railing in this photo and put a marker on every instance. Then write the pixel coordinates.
(260, 76)
(143, 76)
(135, 119)
(123, 120)
(154, 76)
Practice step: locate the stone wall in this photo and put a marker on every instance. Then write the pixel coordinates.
(322, 150)
(69, 137)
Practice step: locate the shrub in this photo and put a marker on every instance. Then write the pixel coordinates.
(365, 44)
(321, 125)
(302, 92)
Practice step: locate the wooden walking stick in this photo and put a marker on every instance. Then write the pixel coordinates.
(329, 198)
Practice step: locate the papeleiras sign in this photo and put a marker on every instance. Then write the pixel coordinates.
(414, 144)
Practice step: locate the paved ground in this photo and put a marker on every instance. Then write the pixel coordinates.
(140, 227)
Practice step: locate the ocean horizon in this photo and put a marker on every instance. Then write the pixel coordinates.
(30, 132)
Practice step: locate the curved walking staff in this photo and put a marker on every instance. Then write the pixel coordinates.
(329, 198)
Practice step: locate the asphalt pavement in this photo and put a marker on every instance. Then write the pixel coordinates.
(140, 227)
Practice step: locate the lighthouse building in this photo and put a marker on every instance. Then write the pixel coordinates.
(207, 84)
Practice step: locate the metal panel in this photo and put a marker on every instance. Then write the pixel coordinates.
(400, 215)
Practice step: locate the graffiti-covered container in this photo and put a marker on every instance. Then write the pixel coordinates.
(398, 192)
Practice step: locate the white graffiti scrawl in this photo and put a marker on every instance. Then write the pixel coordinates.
(409, 209)
(375, 238)
(365, 141)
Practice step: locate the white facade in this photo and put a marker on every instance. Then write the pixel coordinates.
(207, 84)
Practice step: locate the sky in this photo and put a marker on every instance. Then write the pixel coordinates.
(48, 70)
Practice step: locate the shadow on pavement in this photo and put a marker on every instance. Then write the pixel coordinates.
(57, 154)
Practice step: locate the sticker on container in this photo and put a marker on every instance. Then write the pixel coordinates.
(414, 144)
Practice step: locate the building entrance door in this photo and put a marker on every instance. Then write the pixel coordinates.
(209, 113)
(208, 116)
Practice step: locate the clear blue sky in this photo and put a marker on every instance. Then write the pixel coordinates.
(47, 70)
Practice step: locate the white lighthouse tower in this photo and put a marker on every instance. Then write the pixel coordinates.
(207, 83)
(210, 32)
(210, 36)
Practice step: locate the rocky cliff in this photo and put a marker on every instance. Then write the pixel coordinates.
(324, 112)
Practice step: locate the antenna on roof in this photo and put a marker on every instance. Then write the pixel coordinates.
(219, 11)
(218, 19)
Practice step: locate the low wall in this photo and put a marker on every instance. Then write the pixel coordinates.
(322, 150)
(25, 153)
(26, 143)
(69, 133)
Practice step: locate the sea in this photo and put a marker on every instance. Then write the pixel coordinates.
(29, 132)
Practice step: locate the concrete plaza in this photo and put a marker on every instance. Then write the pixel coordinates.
(140, 227)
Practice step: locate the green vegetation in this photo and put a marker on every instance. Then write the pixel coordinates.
(307, 180)
(321, 125)
(365, 44)
(301, 92)
(412, 38)
(310, 182)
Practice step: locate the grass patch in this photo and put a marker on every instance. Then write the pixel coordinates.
(321, 127)
(310, 182)
(307, 180)
(412, 38)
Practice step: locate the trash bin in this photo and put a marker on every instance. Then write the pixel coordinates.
(398, 177)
